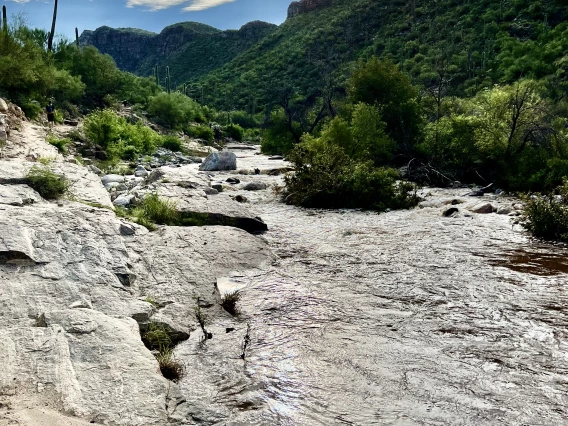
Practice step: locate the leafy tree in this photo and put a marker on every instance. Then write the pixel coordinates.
(383, 85)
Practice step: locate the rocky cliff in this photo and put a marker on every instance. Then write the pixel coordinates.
(79, 285)
(305, 6)
(190, 49)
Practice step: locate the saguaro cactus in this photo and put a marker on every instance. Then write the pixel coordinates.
(168, 81)
(52, 33)
(4, 20)
(77, 37)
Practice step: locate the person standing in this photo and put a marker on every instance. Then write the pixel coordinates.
(50, 110)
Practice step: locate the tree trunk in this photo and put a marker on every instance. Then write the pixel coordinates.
(52, 33)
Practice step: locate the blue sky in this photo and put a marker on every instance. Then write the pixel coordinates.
(91, 14)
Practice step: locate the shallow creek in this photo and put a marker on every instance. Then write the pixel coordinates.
(403, 318)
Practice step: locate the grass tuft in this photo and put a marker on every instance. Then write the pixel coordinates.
(155, 210)
(229, 302)
(49, 185)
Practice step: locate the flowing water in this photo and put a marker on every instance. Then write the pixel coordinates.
(404, 318)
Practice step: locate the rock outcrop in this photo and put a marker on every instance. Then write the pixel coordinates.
(306, 6)
(77, 282)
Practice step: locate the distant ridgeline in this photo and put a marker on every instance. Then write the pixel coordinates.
(190, 49)
(469, 44)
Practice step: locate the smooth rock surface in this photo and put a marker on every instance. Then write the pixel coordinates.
(219, 161)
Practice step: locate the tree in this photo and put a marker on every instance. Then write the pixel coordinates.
(383, 85)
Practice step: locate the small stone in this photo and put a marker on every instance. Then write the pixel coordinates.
(218, 187)
(127, 230)
(123, 200)
(451, 212)
(483, 208)
(233, 181)
(255, 186)
(504, 210)
(107, 179)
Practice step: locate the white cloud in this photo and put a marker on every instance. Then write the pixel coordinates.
(192, 5)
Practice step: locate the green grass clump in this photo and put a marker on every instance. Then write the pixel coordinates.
(60, 144)
(229, 302)
(155, 210)
(158, 339)
(546, 216)
(48, 184)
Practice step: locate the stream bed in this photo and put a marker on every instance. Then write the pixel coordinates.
(403, 318)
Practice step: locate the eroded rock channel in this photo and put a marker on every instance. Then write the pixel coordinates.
(410, 317)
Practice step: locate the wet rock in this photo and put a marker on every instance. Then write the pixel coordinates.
(217, 187)
(233, 180)
(219, 161)
(451, 212)
(483, 208)
(255, 186)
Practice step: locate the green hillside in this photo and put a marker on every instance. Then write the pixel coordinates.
(460, 46)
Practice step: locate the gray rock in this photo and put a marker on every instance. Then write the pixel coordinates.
(217, 187)
(95, 170)
(451, 212)
(3, 106)
(112, 179)
(18, 195)
(505, 210)
(219, 161)
(255, 186)
(483, 208)
(123, 200)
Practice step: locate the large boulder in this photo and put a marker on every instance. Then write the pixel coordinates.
(3, 106)
(219, 161)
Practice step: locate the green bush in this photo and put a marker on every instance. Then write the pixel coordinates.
(119, 138)
(234, 131)
(327, 177)
(173, 143)
(175, 110)
(546, 216)
(48, 184)
(201, 132)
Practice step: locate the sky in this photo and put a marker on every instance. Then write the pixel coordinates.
(151, 15)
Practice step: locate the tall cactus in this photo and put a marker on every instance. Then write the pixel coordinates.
(168, 80)
(4, 20)
(52, 33)
(77, 37)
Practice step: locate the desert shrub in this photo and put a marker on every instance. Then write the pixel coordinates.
(102, 127)
(327, 177)
(201, 132)
(118, 137)
(546, 216)
(155, 210)
(60, 144)
(229, 302)
(173, 143)
(130, 153)
(48, 184)
(234, 131)
(175, 110)
(244, 119)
